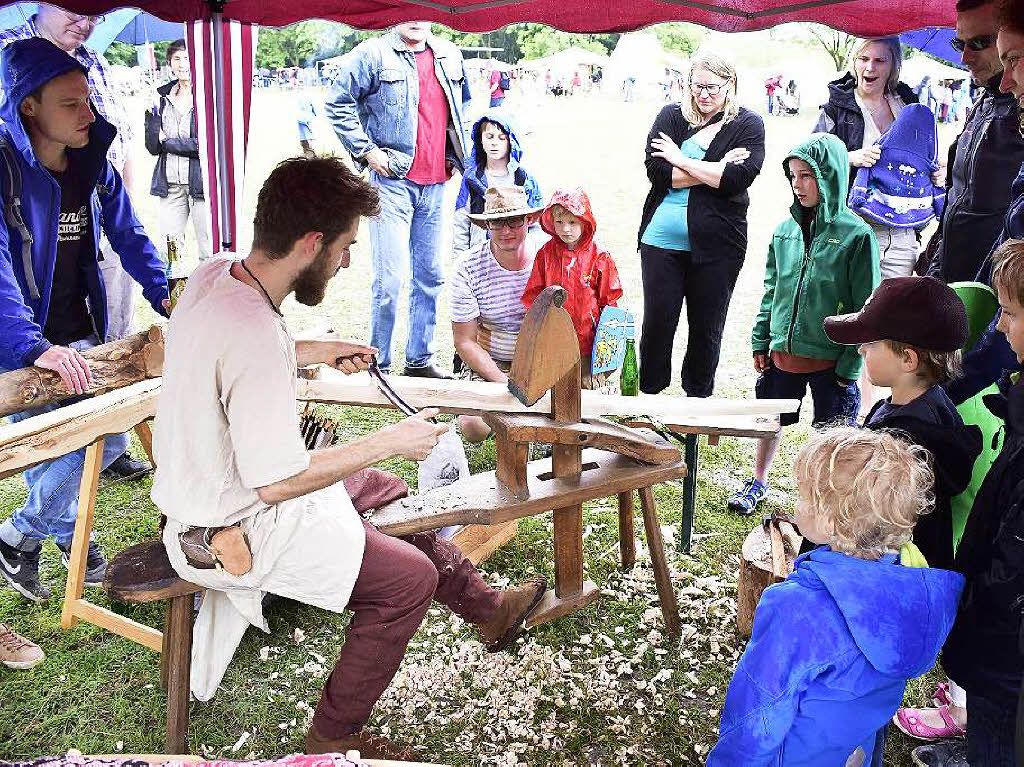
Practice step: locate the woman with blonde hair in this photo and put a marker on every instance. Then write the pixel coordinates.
(701, 156)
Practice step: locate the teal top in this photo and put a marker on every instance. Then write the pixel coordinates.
(667, 228)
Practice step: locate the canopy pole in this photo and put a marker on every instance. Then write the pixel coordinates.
(220, 108)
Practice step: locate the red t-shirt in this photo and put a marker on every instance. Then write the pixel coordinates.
(498, 92)
(428, 166)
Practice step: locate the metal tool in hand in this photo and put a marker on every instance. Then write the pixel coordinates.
(386, 389)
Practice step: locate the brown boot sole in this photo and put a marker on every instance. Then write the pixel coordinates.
(517, 627)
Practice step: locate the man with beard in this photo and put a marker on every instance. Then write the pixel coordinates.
(984, 159)
(229, 454)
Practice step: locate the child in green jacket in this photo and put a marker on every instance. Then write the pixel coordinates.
(823, 260)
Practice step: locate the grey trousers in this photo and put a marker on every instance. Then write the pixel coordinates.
(175, 210)
(120, 289)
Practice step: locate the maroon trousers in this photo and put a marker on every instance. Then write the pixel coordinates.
(397, 580)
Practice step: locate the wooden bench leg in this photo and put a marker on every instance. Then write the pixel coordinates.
(177, 655)
(627, 536)
(145, 434)
(656, 545)
(691, 453)
(79, 555)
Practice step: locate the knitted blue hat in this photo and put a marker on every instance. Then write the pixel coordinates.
(897, 190)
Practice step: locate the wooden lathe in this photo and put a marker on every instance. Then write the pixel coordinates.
(591, 458)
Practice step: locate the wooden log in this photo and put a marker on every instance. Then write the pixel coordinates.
(51, 435)
(113, 365)
(762, 564)
(479, 397)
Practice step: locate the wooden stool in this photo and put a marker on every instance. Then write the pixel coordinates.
(142, 573)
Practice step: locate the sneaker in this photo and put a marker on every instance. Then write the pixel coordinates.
(17, 652)
(95, 564)
(126, 467)
(745, 501)
(944, 753)
(21, 570)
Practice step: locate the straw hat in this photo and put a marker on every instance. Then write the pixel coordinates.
(504, 202)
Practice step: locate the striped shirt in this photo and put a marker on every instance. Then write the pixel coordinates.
(101, 90)
(483, 290)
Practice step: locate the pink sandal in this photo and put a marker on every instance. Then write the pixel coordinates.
(941, 695)
(910, 722)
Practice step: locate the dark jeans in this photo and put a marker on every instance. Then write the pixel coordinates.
(670, 277)
(398, 579)
(832, 402)
(990, 731)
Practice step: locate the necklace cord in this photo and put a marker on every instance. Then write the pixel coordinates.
(265, 293)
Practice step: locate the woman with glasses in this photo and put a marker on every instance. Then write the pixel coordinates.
(701, 156)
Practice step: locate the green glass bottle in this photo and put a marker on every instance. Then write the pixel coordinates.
(629, 378)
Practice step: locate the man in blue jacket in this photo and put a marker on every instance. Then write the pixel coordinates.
(52, 297)
(398, 105)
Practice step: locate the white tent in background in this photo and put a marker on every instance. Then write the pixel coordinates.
(565, 63)
(487, 64)
(640, 55)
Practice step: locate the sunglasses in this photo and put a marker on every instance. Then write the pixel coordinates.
(979, 43)
(515, 222)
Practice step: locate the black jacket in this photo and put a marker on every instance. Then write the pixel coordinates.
(716, 218)
(932, 422)
(983, 162)
(983, 653)
(842, 117)
(185, 147)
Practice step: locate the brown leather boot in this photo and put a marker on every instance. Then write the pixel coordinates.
(369, 746)
(507, 623)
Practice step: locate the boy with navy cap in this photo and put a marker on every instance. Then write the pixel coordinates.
(910, 333)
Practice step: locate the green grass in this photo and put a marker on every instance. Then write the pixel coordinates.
(562, 695)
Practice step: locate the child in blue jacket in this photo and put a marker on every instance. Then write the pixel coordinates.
(834, 644)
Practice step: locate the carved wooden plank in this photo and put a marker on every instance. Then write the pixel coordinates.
(51, 435)
(113, 365)
(480, 499)
(143, 573)
(478, 397)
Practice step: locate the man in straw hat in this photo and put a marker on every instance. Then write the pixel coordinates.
(487, 291)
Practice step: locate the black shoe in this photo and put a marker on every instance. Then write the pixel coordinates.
(429, 370)
(943, 753)
(126, 467)
(95, 564)
(21, 570)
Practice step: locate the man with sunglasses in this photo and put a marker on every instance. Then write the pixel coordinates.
(487, 292)
(984, 159)
(69, 31)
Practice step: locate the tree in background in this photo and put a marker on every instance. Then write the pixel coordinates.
(128, 55)
(293, 46)
(836, 44)
(679, 37)
(537, 41)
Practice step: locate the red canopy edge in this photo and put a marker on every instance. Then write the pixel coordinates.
(859, 17)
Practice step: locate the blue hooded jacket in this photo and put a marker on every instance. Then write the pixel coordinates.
(474, 180)
(828, 662)
(25, 65)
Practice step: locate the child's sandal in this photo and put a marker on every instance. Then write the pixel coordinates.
(941, 695)
(910, 722)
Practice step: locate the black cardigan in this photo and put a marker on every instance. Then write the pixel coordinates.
(716, 218)
(185, 147)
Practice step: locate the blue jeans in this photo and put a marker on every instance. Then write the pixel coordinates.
(406, 236)
(52, 503)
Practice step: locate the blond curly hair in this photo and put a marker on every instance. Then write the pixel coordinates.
(867, 487)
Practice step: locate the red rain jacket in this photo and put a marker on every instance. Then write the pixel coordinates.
(588, 273)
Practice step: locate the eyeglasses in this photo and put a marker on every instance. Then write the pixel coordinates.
(979, 43)
(74, 18)
(514, 222)
(712, 89)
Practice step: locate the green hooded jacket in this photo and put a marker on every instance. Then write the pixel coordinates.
(834, 275)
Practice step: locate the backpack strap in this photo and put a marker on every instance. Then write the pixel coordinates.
(10, 178)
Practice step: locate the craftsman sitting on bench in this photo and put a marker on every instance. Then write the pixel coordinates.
(229, 452)
(52, 302)
(487, 293)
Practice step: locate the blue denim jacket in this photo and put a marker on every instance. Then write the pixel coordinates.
(374, 101)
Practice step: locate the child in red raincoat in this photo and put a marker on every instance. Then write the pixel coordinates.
(574, 261)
